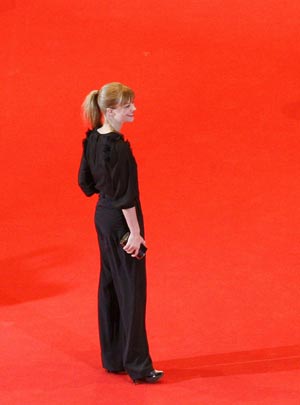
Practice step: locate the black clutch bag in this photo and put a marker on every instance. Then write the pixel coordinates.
(142, 250)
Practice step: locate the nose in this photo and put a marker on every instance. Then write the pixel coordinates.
(133, 107)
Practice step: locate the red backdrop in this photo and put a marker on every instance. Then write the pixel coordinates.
(216, 137)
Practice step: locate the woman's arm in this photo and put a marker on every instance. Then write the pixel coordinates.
(135, 239)
(85, 178)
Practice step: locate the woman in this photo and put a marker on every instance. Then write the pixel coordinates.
(109, 168)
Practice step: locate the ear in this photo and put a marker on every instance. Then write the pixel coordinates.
(109, 111)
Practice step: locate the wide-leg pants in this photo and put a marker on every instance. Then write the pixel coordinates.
(121, 297)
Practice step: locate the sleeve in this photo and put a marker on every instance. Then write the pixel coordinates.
(124, 178)
(85, 178)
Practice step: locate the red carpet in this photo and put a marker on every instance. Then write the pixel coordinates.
(217, 140)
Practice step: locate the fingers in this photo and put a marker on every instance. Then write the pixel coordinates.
(129, 247)
(133, 250)
(132, 246)
(135, 253)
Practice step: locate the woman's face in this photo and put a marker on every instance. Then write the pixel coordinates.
(124, 113)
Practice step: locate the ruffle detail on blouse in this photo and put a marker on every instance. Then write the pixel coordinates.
(106, 139)
(106, 152)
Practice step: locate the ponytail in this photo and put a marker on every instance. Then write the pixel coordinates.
(91, 110)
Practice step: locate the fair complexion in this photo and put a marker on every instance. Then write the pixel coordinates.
(135, 239)
(114, 118)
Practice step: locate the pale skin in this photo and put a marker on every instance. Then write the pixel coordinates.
(114, 118)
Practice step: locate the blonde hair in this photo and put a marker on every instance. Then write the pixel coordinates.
(111, 95)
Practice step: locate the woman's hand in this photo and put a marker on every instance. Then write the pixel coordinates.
(133, 244)
(135, 239)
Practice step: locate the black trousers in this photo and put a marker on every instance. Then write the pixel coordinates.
(121, 296)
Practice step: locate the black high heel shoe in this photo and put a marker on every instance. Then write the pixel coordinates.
(151, 378)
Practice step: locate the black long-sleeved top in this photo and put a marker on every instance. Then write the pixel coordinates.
(108, 167)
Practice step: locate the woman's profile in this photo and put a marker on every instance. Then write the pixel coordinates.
(108, 168)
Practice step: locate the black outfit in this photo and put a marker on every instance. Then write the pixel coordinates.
(109, 168)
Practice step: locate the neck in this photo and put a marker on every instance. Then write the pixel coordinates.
(111, 127)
